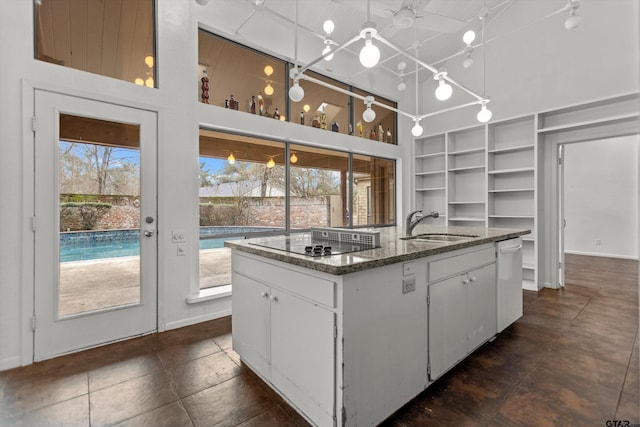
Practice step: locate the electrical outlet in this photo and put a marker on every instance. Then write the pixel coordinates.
(408, 285)
(598, 242)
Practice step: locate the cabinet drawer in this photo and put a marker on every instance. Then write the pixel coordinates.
(313, 288)
(448, 267)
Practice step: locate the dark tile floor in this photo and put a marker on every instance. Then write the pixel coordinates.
(572, 360)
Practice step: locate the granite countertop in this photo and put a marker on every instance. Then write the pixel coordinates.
(392, 249)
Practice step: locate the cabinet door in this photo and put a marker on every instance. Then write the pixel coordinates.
(447, 324)
(303, 355)
(482, 305)
(250, 322)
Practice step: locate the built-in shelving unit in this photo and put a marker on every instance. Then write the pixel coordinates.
(484, 176)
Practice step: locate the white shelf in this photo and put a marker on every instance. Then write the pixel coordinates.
(528, 266)
(511, 190)
(431, 189)
(466, 218)
(468, 168)
(529, 285)
(467, 203)
(429, 173)
(530, 239)
(513, 216)
(426, 156)
(511, 149)
(508, 171)
(468, 151)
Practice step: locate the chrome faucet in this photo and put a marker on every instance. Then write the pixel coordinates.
(410, 223)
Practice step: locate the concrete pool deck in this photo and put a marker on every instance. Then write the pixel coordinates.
(95, 284)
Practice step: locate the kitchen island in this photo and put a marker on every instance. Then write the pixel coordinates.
(348, 339)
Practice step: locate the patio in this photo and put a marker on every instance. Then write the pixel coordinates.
(96, 284)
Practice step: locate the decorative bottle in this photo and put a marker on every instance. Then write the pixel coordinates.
(335, 127)
(389, 136)
(380, 133)
(302, 118)
(226, 103)
(372, 134)
(204, 87)
(323, 120)
(233, 104)
(276, 114)
(252, 107)
(260, 103)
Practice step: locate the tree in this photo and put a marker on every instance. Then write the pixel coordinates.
(206, 179)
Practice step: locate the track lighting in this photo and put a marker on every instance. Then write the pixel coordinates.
(444, 89)
(574, 19)
(369, 115)
(484, 115)
(369, 54)
(416, 130)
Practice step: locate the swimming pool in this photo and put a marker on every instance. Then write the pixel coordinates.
(86, 245)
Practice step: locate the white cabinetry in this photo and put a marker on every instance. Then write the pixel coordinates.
(462, 307)
(286, 339)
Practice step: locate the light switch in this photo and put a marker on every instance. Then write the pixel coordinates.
(177, 236)
(408, 268)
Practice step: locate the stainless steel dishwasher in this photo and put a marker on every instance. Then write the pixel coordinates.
(509, 281)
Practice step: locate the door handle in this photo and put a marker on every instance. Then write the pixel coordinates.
(510, 250)
(148, 233)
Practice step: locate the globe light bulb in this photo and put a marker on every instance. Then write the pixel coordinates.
(468, 61)
(231, 159)
(296, 92)
(149, 61)
(268, 90)
(468, 37)
(416, 130)
(149, 82)
(306, 108)
(370, 54)
(293, 158)
(271, 163)
(328, 26)
(139, 81)
(268, 70)
(444, 90)
(326, 50)
(402, 86)
(369, 115)
(572, 21)
(484, 115)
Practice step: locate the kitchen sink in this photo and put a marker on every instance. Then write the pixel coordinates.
(440, 237)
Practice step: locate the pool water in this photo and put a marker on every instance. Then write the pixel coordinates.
(79, 246)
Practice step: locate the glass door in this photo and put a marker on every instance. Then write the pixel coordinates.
(94, 223)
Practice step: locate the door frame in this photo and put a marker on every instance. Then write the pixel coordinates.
(27, 191)
(603, 130)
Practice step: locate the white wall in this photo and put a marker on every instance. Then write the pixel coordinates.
(601, 197)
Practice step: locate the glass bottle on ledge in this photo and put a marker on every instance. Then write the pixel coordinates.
(252, 106)
(204, 87)
(233, 104)
(302, 118)
(260, 104)
(380, 133)
(389, 136)
(372, 134)
(276, 114)
(226, 103)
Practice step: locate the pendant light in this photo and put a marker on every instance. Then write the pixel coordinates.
(296, 92)
(369, 114)
(231, 159)
(444, 89)
(574, 19)
(369, 54)
(271, 163)
(416, 130)
(484, 115)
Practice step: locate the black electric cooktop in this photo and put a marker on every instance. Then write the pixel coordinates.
(305, 245)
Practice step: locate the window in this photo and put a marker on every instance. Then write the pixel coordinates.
(322, 107)
(318, 187)
(383, 128)
(242, 192)
(241, 78)
(373, 191)
(111, 38)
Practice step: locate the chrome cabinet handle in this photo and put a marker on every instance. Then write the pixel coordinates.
(274, 298)
(264, 294)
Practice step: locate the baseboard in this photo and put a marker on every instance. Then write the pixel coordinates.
(198, 319)
(530, 285)
(598, 254)
(10, 363)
